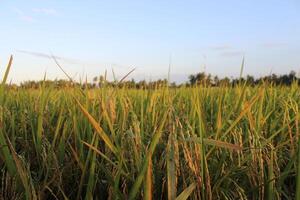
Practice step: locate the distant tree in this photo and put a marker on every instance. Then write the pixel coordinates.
(192, 79)
(141, 84)
(173, 85)
(250, 80)
(216, 81)
(199, 78)
(95, 79)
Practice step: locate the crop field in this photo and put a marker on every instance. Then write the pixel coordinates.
(196, 142)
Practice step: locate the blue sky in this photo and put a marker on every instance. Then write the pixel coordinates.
(91, 36)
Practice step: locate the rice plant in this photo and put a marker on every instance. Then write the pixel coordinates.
(118, 143)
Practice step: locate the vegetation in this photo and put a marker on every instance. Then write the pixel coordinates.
(194, 79)
(197, 142)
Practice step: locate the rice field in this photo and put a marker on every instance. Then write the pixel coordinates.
(182, 143)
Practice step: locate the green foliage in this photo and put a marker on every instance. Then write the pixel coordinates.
(117, 143)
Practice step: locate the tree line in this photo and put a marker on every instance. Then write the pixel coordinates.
(208, 79)
(200, 78)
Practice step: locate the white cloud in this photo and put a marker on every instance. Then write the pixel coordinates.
(27, 18)
(45, 11)
(23, 16)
